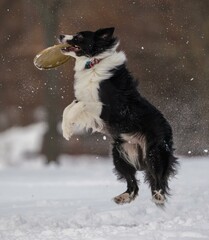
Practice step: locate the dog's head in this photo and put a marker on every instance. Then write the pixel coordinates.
(89, 44)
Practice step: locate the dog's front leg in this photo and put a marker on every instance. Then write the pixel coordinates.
(92, 114)
(70, 116)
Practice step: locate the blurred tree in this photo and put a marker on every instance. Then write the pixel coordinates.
(49, 11)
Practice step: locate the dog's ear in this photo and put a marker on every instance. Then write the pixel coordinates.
(105, 33)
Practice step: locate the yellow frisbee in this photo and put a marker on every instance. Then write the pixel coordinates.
(51, 57)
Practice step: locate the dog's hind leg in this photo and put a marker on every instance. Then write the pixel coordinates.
(160, 166)
(157, 186)
(126, 172)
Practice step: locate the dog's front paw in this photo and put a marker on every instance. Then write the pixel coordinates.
(67, 131)
(67, 122)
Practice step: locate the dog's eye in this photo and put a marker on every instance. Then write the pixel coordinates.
(79, 37)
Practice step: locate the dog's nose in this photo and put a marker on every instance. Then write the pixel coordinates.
(61, 37)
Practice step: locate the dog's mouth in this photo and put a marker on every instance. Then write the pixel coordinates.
(71, 48)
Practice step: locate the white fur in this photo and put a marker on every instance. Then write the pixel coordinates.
(83, 115)
(130, 154)
(130, 148)
(158, 197)
(124, 198)
(67, 37)
(87, 111)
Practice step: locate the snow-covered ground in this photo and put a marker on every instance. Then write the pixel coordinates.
(73, 201)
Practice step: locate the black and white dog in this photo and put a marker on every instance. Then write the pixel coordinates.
(107, 100)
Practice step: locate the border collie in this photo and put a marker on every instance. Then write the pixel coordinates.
(107, 100)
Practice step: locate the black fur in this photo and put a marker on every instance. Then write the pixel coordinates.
(126, 111)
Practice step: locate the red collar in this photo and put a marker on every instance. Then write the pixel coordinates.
(91, 63)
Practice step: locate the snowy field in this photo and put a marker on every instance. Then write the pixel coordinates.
(74, 202)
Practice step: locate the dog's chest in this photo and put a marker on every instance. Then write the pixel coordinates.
(87, 83)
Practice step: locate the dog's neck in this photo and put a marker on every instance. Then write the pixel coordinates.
(109, 62)
(91, 63)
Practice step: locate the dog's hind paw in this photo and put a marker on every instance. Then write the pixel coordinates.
(124, 198)
(158, 197)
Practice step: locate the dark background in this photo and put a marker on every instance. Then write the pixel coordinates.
(167, 46)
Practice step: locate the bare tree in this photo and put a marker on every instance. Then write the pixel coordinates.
(51, 144)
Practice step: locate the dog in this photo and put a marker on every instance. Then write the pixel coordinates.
(107, 101)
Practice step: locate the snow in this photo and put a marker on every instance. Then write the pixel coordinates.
(17, 143)
(73, 201)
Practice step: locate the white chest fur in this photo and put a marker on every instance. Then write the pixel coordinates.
(87, 84)
(87, 80)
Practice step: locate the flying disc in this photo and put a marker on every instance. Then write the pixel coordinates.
(51, 57)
